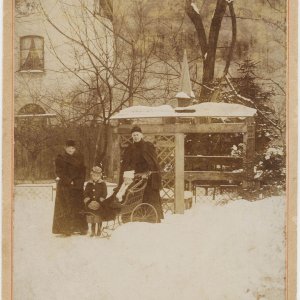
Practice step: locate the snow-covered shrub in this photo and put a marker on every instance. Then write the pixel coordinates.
(270, 169)
(238, 151)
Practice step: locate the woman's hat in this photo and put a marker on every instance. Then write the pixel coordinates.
(96, 170)
(128, 174)
(136, 129)
(70, 143)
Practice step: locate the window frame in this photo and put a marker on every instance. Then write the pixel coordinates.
(21, 51)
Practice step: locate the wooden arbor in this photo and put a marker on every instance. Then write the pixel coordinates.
(168, 126)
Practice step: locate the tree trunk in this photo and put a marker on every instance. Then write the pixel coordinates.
(197, 21)
(210, 60)
(101, 145)
(208, 47)
(131, 79)
(233, 39)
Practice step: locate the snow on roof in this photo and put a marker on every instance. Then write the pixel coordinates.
(140, 111)
(220, 109)
(182, 95)
(206, 109)
(35, 115)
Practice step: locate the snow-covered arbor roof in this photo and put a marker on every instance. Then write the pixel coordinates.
(206, 109)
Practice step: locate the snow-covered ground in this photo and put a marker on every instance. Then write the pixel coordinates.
(235, 252)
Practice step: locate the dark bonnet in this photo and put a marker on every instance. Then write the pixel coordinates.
(70, 143)
(136, 129)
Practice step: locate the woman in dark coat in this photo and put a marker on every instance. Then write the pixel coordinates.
(70, 171)
(141, 157)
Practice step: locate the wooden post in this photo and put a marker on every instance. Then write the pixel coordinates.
(110, 156)
(190, 186)
(248, 163)
(116, 157)
(179, 173)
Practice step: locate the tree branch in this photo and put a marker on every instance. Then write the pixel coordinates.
(233, 39)
(248, 100)
(196, 19)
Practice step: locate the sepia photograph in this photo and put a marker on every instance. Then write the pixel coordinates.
(151, 147)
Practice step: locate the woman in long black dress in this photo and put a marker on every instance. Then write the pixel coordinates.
(70, 171)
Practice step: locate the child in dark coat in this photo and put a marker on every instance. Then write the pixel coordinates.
(94, 194)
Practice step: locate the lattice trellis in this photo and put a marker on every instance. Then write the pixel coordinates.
(165, 149)
(165, 146)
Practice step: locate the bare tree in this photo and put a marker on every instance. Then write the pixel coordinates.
(111, 66)
(208, 44)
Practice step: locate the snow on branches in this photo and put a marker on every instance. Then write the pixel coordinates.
(196, 9)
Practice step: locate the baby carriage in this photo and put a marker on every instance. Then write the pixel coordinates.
(132, 208)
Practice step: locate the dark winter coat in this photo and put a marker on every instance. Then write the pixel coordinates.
(70, 170)
(141, 157)
(95, 191)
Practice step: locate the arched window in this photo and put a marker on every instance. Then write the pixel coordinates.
(32, 53)
(31, 109)
(31, 115)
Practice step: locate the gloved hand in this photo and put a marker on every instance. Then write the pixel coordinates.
(85, 200)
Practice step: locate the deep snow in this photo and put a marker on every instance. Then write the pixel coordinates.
(234, 251)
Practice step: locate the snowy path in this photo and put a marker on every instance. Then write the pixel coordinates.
(233, 252)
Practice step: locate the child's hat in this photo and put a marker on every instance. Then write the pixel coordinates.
(96, 170)
(70, 143)
(128, 174)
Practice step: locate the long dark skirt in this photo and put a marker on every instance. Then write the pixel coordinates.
(152, 197)
(67, 211)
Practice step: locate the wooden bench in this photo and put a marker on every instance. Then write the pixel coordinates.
(221, 187)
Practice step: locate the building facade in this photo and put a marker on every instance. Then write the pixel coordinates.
(52, 71)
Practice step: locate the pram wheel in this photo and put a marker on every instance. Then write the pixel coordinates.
(144, 212)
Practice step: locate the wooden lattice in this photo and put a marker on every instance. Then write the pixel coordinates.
(125, 140)
(165, 149)
(165, 146)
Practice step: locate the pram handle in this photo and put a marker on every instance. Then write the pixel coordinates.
(145, 174)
